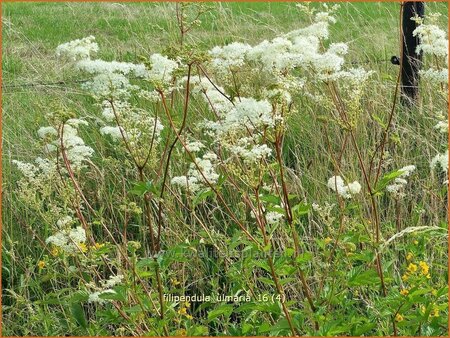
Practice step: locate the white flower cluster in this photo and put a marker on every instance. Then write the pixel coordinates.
(433, 42)
(195, 179)
(213, 96)
(440, 161)
(79, 49)
(162, 69)
(442, 126)
(247, 117)
(301, 48)
(68, 239)
(34, 173)
(137, 125)
(274, 217)
(230, 56)
(105, 287)
(74, 146)
(336, 183)
(396, 188)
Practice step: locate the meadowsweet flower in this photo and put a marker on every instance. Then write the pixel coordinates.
(440, 161)
(199, 177)
(336, 183)
(43, 132)
(68, 240)
(162, 69)
(432, 40)
(79, 49)
(274, 217)
(397, 187)
(114, 132)
(194, 146)
(95, 296)
(112, 281)
(228, 57)
(110, 85)
(100, 66)
(442, 126)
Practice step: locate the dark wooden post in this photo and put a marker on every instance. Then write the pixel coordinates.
(411, 61)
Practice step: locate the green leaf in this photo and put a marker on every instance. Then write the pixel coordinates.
(225, 310)
(304, 257)
(358, 278)
(300, 209)
(202, 195)
(78, 314)
(276, 200)
(386, 179)
(141, 188)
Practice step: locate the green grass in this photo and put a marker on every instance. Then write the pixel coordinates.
(124, 32)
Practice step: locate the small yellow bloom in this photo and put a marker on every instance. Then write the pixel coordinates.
(424, 267)
(404, 292)
(98, 245)
(189, 317)
(405, 277)
(82, 247)
(55, 251)
(182, 311)
(428, 276)
(41, 264)
(187, 304)
(181, 332)
(175, 282)
(435, 313)
(412, 267)
(327, 240)
(423, 308)
(409, 256)
(398, 317)
(434, 292)
(416, 242)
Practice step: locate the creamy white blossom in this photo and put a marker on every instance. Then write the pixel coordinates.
(336, 183)
(79, 49)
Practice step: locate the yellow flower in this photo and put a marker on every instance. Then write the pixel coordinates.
(54, 251)
(175, 282)
(182, 311)
(398, 317)
(404, 292)
(98, 245)
(189, 317)
(435, 312)
(327, 240)
(405, 277)
(416, 242)
(82, 247)
(423, 308)
(434, 292)
(409, 256)
(187, 304)
(181, 332)
(424, 267)
(41, 264)
(428, 276)
(412, 267)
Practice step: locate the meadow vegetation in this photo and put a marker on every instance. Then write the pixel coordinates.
(222, 169)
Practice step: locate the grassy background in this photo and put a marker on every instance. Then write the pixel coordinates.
(31, 32)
